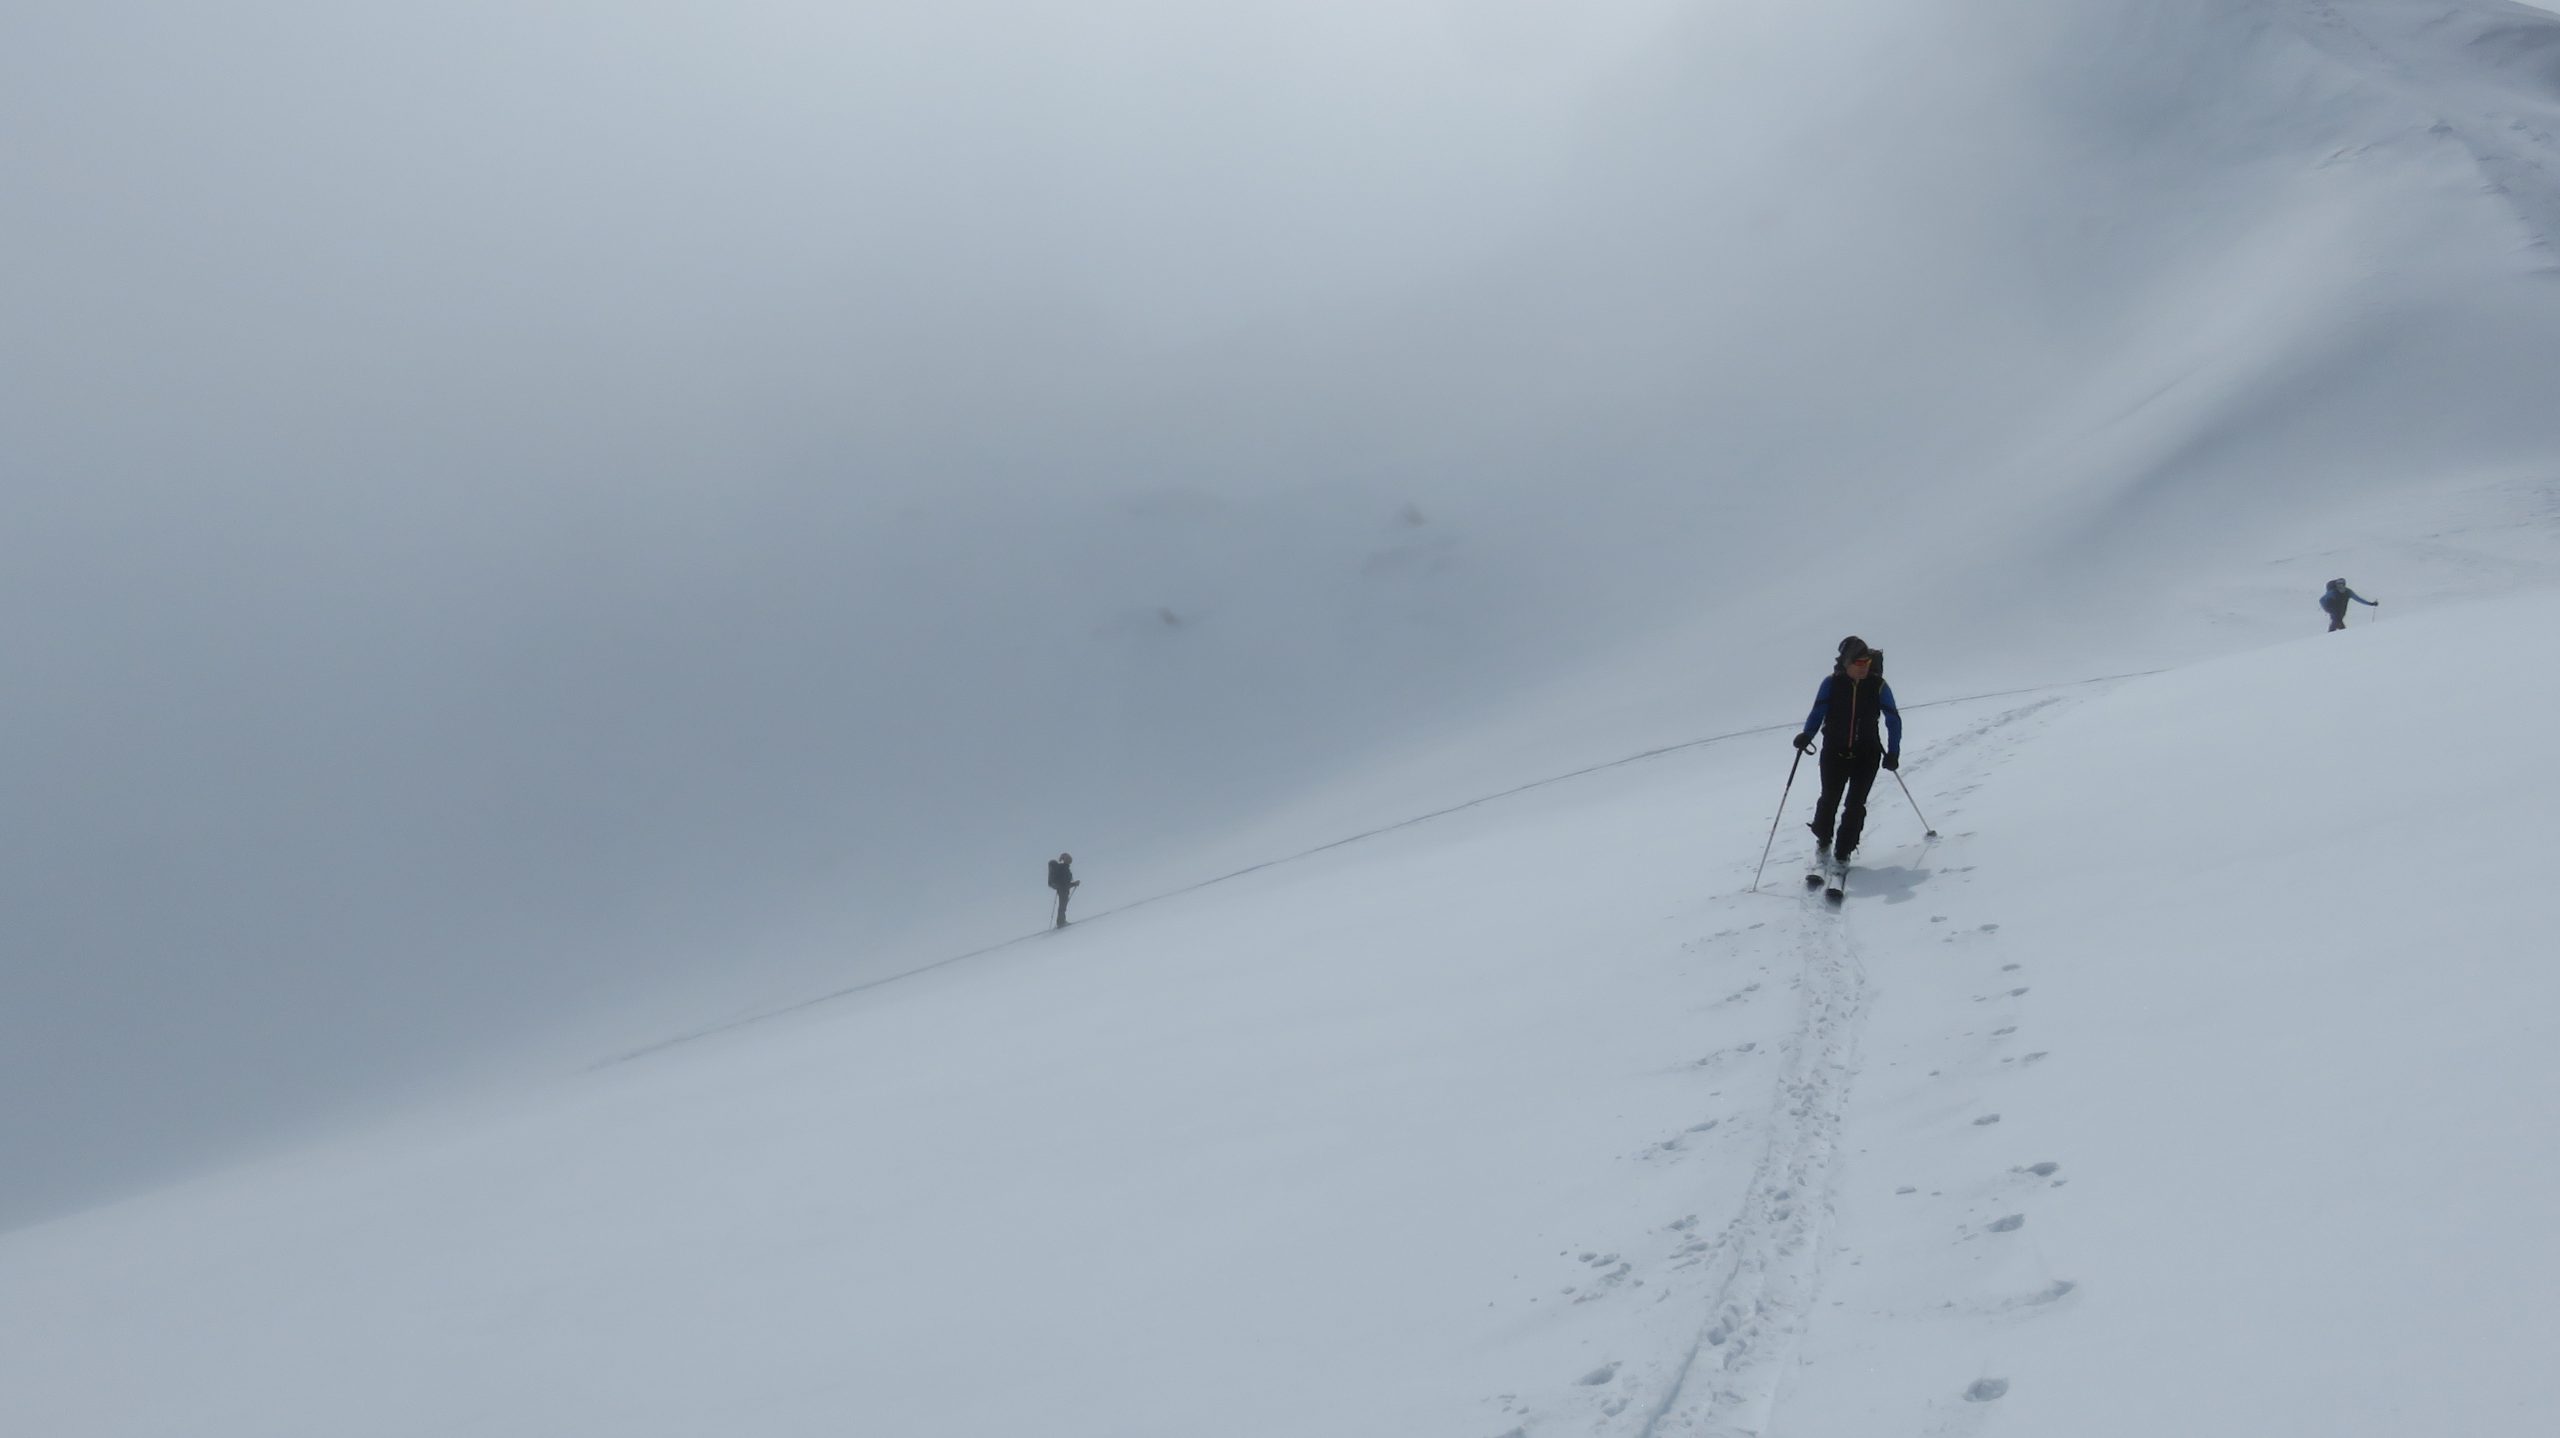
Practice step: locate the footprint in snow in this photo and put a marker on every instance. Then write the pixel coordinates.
(1988, 1118)
(1987, 1390)
(2010, 1224)
(2016, 1302)
(2046, 1169)
(1606, 1372)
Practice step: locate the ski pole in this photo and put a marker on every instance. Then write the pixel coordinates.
(1773, 822)
(1915, 804)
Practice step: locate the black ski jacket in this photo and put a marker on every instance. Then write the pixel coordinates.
(1846, 710)
(1061, 876)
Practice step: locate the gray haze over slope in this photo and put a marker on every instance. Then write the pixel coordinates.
(501, 501)
(509, 507)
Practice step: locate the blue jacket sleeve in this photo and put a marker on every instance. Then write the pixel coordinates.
(1821, 705)
(2360, 599)
(1892, 720)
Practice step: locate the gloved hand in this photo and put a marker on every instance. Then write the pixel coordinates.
(1893, 761)
(1803, 742)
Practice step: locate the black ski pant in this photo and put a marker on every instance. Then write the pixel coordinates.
(1062, 909)
(2337, 619)
(1847, 774)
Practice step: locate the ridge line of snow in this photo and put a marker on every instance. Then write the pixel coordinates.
(2521, 183)
(795, 1006)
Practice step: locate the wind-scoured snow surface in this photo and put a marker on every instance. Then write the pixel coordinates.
(1437, 1070)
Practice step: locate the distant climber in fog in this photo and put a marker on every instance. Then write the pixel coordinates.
(1062, 878)
(2333, 602)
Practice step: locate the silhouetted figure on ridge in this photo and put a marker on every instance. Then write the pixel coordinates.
(1062, 878)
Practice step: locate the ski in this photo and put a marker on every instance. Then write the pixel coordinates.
(1839, 889)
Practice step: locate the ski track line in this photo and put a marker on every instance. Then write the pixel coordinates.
(1771, 1257)
(795, 1006)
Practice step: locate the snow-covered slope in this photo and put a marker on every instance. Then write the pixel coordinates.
(2192, 1082)
(2204, 1056)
